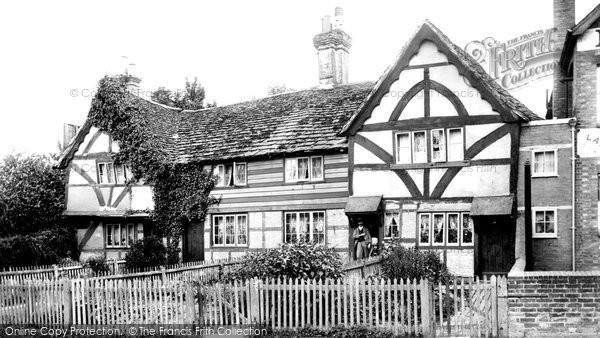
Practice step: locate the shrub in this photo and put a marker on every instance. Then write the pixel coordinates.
(147, 252)
(97, 264)
(401, 262)
(297, 260)
(48, 246)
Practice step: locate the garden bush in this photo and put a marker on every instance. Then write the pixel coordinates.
(296, 260)
(48, 246)
(97, 264)
(401, 262)
(147, 252)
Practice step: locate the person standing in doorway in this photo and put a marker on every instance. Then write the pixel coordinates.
(362, 240)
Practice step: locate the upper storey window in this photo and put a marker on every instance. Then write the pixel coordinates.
(437, 145)
(230, 174)
(111, 173)
(301, 169)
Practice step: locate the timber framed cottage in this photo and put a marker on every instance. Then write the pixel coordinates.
(428, 154)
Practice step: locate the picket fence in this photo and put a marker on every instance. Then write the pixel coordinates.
(463, 307)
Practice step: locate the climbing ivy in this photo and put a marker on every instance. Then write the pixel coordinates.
(181, 191)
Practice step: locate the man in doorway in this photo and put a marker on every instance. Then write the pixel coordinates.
(362, 240)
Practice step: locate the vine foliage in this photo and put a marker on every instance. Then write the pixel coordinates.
(181, 191)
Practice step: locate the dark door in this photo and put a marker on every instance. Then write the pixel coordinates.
(193, 244)
(495, 244)
(372, 222)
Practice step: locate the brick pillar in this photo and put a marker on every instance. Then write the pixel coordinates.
(564, 18)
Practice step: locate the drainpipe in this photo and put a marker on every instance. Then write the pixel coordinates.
(573, 124)
(528, 225)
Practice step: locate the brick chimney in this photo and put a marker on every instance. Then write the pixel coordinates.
(133, 79)
(333, 45)
(564, 19)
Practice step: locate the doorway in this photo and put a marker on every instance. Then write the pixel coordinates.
(495, 244)
(193, 242)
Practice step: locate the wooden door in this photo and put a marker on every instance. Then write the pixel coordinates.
(496, 244)
(193, 243)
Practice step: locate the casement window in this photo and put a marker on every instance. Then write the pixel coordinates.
(466, 230)
(305, 226)
(230, 174)
(111, 173)
(544, 163)
(122, 235)
(456, 150)
(444, 145)
(438, 145)
(301, 169)
(445, 229)
(230, 230)
(392, 225)
(544, 223)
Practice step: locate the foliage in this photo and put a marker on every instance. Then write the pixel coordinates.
(97, 264)
(32, 194)
(297, 260)
(147, 252)
(279, 89)
(399, 262)
(191, 98)
(338, 331)
(48, 246)
(180, 190)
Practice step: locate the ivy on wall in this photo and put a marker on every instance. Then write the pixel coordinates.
(181, 191)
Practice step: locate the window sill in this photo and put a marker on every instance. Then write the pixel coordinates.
(544, 236)
(303, 182)
(465, 163)
(232, 187)
(549, 175)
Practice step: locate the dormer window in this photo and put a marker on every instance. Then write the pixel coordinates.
(423, 146)
(111, 173)
(230, 174)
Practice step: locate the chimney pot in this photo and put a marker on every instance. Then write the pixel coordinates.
(333, 45)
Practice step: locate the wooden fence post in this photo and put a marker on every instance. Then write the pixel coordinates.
(115, 267)
(426, 321)
(68, 298)
(30, 305)
(55, 267)
(200, 306)
(191, 309)
(502, 294)
(254, 300)
(163, 273)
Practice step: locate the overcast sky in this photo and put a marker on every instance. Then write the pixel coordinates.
(53, 53)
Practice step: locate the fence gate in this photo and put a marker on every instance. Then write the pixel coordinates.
(471, 308)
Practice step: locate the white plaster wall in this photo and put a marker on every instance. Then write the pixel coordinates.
(384, 139)
(417, 177)
(435, 174)
(100, 145)
(498, 149)
(460, 262)
(141, 198)
(469, 96)
(255, 223)
(415, 108)
(337, 228)
(406, 80)
(363, 156)
(475, 133)
(82, 199)
(479, 181)
(88, 166)
(375, 183)
(440, 105)
(409, 221)
(428, 53)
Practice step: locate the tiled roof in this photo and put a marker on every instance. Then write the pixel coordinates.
(302, 121)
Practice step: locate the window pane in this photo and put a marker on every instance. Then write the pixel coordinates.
(242, 230)
(229, 230)
(419, 147)
(290, 228)
(229, 175)
(424, 229)
(438, 229)
(120, 172)
(109, 235)
(291, 169)
(123, 235)
(317, 168)
(140, 231)
(403, 148)
(319, 227)
(455, 145)
(102, 173)
(240, 173)
(218, 230)
(130, 233)
(452, 228)
(219, 172)
(438, 145)
(304, 226)
(303, 173)
(110, 173)
(392, 225)
(538, 162)
(549, 162)
(467, 229)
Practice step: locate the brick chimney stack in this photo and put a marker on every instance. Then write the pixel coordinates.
(333, 50)
(564, 19)
(133, 79)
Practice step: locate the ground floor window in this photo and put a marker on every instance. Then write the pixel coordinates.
(119, 235)
(230, 230)
(392, 225)
(544, 223)
(307, 226)
(445, 229)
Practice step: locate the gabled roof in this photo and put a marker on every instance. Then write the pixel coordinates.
(572, 35)
(292, 123)
(510, 108)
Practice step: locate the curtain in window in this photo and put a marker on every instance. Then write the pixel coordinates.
(291, 169)
(453, 228)
(218, 230)
(120, 173)
(420, 147)
(438, 144)
(319, 227)
(549, 222)
(131, 233)
(467, 229)
(304, 226)
(303, 173)
(317, 168)
(229, 230)
(219, 172)
(291, 228)
(240, 173)
(549, 162)
(455, 145)
(403, 148)
(392, 225)
(424, 229)
(438, 229)
(242, 229)
(110, 172)
(228, 175)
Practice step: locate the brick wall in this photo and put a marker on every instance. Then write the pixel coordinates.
(554, 303)
(552, 192)
(564, 18)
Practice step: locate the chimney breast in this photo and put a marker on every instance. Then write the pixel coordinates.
(333, 50)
